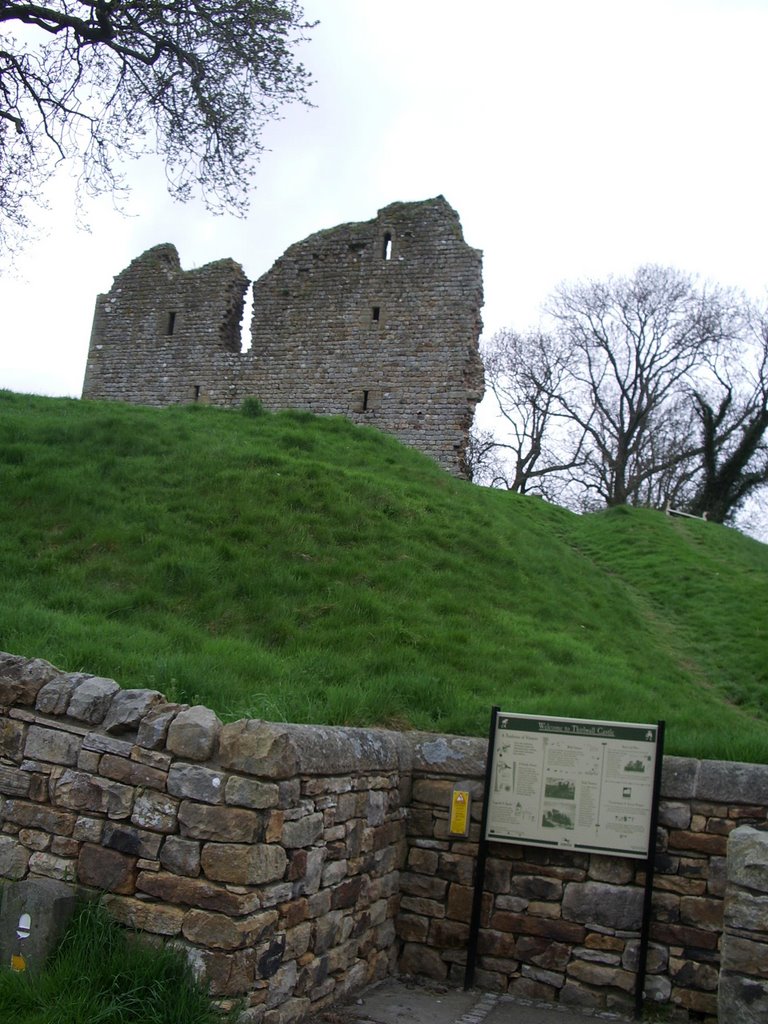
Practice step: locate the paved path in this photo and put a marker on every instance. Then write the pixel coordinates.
(395, 1001)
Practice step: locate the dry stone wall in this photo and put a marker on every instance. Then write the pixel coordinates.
(295, 864)
(377, 321)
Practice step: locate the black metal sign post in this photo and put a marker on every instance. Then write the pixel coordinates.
(482, 853)
(650, 867)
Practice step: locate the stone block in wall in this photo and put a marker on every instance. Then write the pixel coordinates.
(14, 783)
(84, 792)
(204, 821)
(422, 961)
(128, 708)
(243, 792)
(48, 906)
(13, 859)
(193, 733)
(609, 906)
(726, 781)
(91, 699)
(252, 864)
(258, 748)
(219, 931)
(39, 816)
(131, 773)
(153, 729)
(181, 856)
(742, 999)
(52, 745)
(12, 737)
(197, 892)
(155, 811)
(106, 870)
(148, 916)
(21, 679)
(196, 782)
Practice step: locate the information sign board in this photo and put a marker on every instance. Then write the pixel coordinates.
(572, 783)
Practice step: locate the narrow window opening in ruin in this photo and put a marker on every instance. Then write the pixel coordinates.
(171, 325)
(376, 313)
(387, 249)
(365, 401)
(246, 324)
(197, 392)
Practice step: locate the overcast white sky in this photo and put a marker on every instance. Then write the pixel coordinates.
(575, 139)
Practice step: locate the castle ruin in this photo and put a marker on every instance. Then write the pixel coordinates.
(377, 321)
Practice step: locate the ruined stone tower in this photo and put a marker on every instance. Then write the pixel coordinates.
(377, 321)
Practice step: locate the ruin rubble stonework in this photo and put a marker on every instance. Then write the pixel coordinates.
(377, 321)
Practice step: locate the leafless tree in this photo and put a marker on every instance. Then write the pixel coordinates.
(648, 390)
(634, 343)
(527, 374)
(95, 81)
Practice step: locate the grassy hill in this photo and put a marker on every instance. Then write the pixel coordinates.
(298, 568)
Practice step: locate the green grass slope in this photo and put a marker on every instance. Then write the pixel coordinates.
(298, 568)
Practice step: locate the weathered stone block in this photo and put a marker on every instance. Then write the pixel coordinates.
(153, 728)
(31, 815)
(258, 748)
(13, 859)
(243, 865)
(542, 952)
(302, 832)
(742, 999)
(196, 892)
(51, 745)
(12, 736)
(217, 931)
(155, 811)
(13, 782)
(82, 792)
(193, 733)
(196, 782)
(600, 975)
(609, 906)
(148, 916)
(134, 841)
(744, 956)
(131, 773)
(422, 961)
(91, 699)
(242, 792)
(181, 856)
(21, 679)
(128, 708)
(748, 858)
(746, 910)
(48, 864)
(106, 870)
(201, 821)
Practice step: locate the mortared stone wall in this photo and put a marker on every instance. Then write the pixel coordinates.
(296, 864)
(377, 321)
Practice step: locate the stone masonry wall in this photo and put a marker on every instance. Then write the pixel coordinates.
(377, 321)
(269, 853)
(564, 927)
(743, 990)
(295, 864)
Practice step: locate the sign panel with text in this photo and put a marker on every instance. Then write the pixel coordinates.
(573, 784)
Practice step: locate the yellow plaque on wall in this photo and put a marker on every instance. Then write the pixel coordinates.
(459, 822)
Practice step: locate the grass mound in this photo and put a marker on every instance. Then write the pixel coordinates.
(299, 568)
